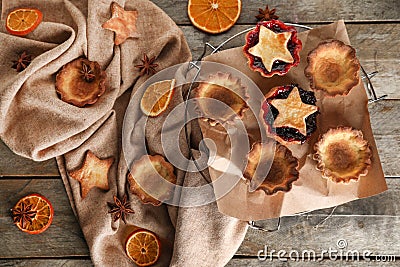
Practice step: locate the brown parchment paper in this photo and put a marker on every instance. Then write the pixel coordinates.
(310, 191)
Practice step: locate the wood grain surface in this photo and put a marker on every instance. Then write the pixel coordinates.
(366, 224)
(363, 223)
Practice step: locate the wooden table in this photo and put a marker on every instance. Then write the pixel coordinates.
(367, 224)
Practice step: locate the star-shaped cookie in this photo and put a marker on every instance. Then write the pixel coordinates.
(293, 112)
(272, 46)
(122, 22)
(93, 173)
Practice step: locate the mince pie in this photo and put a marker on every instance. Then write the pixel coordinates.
(342, 155)
(282, 173)
(290, 114)
(221, 98)
(333, 68)
(81, 82)
(147, 179)
(272, 48)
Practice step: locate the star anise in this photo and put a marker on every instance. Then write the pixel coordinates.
(22, 62)
(87, 73)
(23, 214)
(266, 14)
(147, 67)
(120, 208)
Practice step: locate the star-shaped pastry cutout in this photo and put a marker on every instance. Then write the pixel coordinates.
(93, 173)
(122, 22)
(293, 112)
(272, 46)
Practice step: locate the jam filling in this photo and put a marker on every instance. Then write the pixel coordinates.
(253, 37)
(287, 133)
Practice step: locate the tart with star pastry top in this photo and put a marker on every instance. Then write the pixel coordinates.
(290, 114)
(342, 155)
(272, 48)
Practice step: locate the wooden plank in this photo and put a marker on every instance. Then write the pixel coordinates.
(46, 262)
(239, 262)
(64, 236)
(14, 165)
(387, 135)
(235, 262)
(301, 11)
(299, 233)
(363, 223)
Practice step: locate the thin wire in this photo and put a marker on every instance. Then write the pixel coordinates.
(326, 218)
(253, 225)
(187, 136)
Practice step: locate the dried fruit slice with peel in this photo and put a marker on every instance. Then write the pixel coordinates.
(214, 16)
(143, 247)
(157, 97)
(33, 214)
(22, 21)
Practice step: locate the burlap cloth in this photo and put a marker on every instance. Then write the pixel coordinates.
(36, 124)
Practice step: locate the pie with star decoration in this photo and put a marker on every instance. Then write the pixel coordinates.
(92, 173)
(272, 48)
(290, 114)
(122, 22)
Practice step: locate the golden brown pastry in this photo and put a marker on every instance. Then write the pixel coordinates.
(333, 68)
(228, 90)
(81, 82)
(150, 170)
(342, 155)
(283, 171)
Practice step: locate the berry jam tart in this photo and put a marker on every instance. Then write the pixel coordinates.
(292, 113)
(272, 48)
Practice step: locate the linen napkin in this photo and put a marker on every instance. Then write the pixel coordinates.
(36, 124)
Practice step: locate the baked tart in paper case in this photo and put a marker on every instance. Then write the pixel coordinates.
(294, 114)
(81, 82)
(221, 98)
(342, 155)
(283, 171)
(333, 68)
(272, 48)
(149, 171)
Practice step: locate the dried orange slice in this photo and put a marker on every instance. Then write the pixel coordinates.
(143, 247)
(22, 21)
(214, 16)
(33, 214)
(157, 97)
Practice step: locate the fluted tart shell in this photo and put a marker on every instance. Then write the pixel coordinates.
(283, 171)
(230, 94)
(72, 86)
(150, 170)
(342, 155)
(333, 68)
